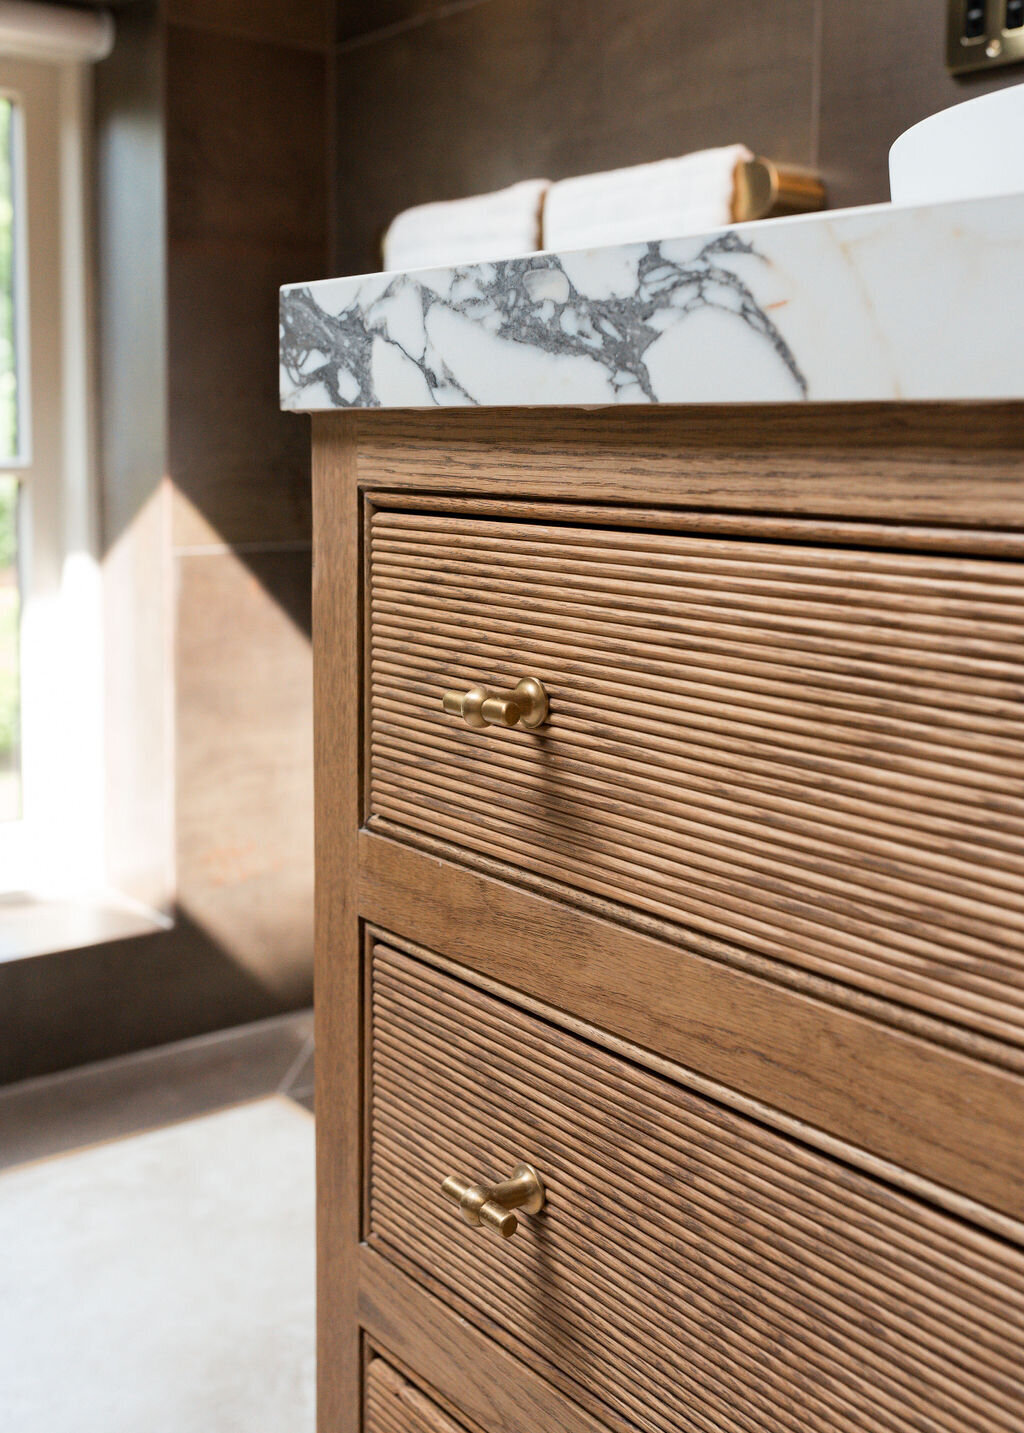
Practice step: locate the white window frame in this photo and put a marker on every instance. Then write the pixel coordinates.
(57, 848)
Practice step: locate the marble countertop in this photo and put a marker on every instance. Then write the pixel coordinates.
(882, 303)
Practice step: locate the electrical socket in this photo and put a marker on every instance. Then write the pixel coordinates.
(984, 33)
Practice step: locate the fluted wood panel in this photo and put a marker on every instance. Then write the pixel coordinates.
(812, 753)
(393, 1405)
(692, 1270)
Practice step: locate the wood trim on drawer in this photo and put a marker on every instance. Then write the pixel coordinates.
(689, 1267)
(903, 537)
(948, 464)
(394, 1405)
(949, 1119)
(373, 1353)
(338, 1009)
(810, 753)
(473, 1373)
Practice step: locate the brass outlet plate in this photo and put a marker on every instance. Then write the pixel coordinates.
(999, 41)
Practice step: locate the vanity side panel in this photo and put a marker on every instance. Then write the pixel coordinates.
(336, 708)
(958, 469)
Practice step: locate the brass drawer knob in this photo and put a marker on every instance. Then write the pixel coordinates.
(526, 705)
(491, 1205)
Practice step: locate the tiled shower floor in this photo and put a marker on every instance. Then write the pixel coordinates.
(162, 1276)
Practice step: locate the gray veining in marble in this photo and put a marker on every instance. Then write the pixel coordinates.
(884, 303)
(530, 302)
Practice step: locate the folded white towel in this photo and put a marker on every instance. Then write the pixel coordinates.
(465, 231)
(665, 200)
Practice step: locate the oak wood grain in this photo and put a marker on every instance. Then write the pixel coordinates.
(947, 1117)
(943, 464)
(913, 537)
(495, 1389)
(338, 1008)
(664, 1271)
(676, 667)
(792, 1235)
(394, 1405)
(373, 1352)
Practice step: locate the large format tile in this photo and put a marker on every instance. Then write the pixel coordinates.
(240, 466)
(511, 89)
(246, 141)
(99, 1001)
(883, 69)
(247, 210)
(366, 17)
(300, 1078)
(245, 762)
(284, 21)
(157, 1087)
(163, 1282)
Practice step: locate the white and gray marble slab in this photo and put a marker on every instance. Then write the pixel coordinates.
(883, 303)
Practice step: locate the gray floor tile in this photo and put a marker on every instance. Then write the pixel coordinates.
(158, 1087)
(299, 1080)
(163, 1282)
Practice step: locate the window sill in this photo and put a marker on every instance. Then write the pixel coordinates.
(31, 926)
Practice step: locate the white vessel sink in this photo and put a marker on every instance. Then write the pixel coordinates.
(968, 152)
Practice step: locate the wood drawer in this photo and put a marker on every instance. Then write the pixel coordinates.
(393, 1405)
(692, 1270)
(813, 754)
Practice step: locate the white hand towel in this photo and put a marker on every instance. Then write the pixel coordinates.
(665, 200)
(465, 231)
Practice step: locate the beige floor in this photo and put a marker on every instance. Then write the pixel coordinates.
(163, 1283)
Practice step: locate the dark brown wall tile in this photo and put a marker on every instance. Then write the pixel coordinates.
(288, 22)
(512, 89)
(240, 466)
(366, 17)
(246, 141)
(181, 1081)
(883, 69)
(247, 211)
(245, 763)
(94, 1002)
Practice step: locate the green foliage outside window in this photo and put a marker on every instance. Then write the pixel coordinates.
(8, 523)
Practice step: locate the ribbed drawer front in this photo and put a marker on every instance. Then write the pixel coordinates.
(812, 753)
(393, 1405)
(692, 1270)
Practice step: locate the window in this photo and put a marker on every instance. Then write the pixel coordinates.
(10, 687)
(51, 817)
(10, 450)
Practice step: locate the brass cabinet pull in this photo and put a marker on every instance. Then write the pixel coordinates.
(526, 705)
(491, 1205)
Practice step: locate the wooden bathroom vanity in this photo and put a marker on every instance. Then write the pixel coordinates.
(670, 860)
